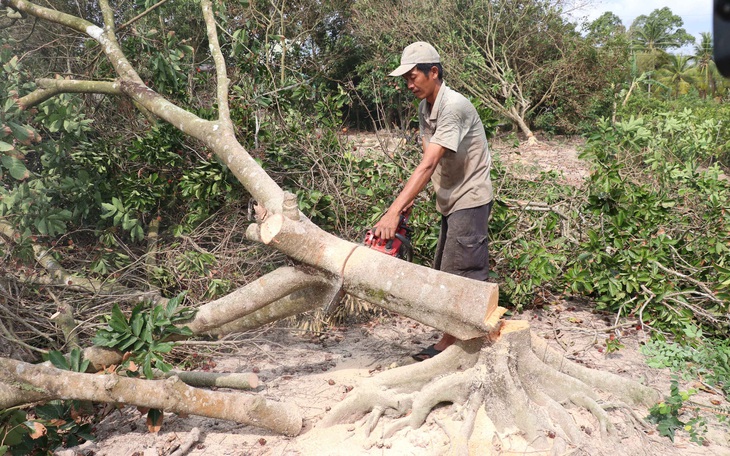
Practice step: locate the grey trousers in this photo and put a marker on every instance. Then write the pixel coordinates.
(463, 246)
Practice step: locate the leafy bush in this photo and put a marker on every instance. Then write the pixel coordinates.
(145, 335)
(666, 415)
(51, 425)
(697, 357)
(529, 247)
(656, 245)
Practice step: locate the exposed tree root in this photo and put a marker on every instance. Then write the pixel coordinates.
(520, 382)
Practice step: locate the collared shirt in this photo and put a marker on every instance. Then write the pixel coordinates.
(461, 178)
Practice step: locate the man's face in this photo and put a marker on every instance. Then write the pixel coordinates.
(420, 85)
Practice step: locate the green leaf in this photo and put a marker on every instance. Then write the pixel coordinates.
(21, 132)
(147, 367)
(101, 339)
(139, 345)
(164, 347)
(16, 167)
(109, 209)
(5, 147)
(172, 305)
(127, 342)
(137, 324)
(58, 360)
(75, 360)
(137, 233)
(118, 322)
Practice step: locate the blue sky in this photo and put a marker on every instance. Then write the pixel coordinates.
(697, 14)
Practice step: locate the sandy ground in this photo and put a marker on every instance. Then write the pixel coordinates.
(316, 372)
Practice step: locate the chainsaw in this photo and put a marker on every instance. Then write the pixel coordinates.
(400, 246)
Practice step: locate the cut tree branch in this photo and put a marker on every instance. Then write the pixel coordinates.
(253, 296)
(23, 383)
(48, 88)
(60, 276)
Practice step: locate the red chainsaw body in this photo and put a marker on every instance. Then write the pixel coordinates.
(400, 246)
(391, 247)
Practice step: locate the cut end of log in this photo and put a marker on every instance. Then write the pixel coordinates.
(491, 320)
(513, 326)
(493, 313)
(101, 357)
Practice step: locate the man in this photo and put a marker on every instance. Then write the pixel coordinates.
(456, 159)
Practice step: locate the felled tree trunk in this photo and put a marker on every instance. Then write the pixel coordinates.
(456, 305)
(24, 383)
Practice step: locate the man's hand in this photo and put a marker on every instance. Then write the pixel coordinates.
(387, 226)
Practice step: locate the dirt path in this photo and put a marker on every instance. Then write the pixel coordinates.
(558, 154)
(317, 372)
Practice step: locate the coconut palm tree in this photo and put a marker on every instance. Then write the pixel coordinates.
(678, 74)
(705, 64)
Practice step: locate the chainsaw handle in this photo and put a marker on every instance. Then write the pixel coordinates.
(406, 244)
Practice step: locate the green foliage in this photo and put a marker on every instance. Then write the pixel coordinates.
(25, 195)
(12, 429)
(708, 359)
(651, 232)
(660, 30)
(74, 363)
(145, 334)
(666, 415)
(16, 136)
(686, 129)
(613, 344)
(48, 426)
(121, 217)
(528, 248)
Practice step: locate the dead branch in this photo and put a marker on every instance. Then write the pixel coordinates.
(58, 275)
(242, 381)
(192, 438)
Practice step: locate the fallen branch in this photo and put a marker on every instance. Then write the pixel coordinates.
(253, 296)
(242, 381)
(23, 383)
(707, 292)
(58, 275)
(190, 440)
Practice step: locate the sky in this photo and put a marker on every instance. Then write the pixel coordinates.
(696, 14)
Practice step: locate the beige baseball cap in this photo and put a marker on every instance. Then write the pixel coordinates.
(413, 54)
